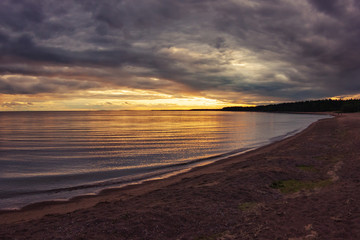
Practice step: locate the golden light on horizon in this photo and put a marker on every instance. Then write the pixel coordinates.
(109, 99)
(123, 99)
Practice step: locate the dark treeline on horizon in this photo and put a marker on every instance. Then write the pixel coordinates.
(327, 105)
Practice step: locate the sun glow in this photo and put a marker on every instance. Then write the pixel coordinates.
(108, 99)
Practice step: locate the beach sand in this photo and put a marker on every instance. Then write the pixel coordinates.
(303, 187)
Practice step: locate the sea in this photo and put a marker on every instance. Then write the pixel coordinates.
(47, 156)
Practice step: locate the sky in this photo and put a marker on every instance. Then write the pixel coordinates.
(176, 54)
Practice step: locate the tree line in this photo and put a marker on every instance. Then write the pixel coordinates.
(327, 105)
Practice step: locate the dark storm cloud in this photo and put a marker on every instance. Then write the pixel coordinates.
(275, 48)
(18, 15)
(332, 7)
(14, 85)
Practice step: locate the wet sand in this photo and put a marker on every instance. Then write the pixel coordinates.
(304, 187)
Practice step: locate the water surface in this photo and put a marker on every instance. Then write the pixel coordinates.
(58, 155)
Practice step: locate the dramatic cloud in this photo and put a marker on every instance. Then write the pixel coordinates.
(230, 51)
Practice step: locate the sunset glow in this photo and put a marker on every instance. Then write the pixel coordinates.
(109, 100)
(175, 55)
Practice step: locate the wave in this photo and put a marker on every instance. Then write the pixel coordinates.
(128, 176)
(40, 161)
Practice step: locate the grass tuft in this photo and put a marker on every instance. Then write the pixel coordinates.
(247, 206)
(307, 168)
(292, 186)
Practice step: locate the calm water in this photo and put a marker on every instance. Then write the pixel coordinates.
(58, 155)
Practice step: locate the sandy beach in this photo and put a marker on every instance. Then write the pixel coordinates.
(304, 187)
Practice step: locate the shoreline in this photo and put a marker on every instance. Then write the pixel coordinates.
(170, 171)
(200, 163)
(230, 198)
(157, 177)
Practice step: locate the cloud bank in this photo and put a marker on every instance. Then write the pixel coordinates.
(234, 51)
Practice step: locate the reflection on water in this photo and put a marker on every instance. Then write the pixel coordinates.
(50, 152)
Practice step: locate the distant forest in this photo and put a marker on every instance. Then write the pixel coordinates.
(327, 105)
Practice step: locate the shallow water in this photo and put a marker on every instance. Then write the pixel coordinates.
(58, 155)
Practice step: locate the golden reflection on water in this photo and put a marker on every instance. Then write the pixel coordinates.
(41, 151)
